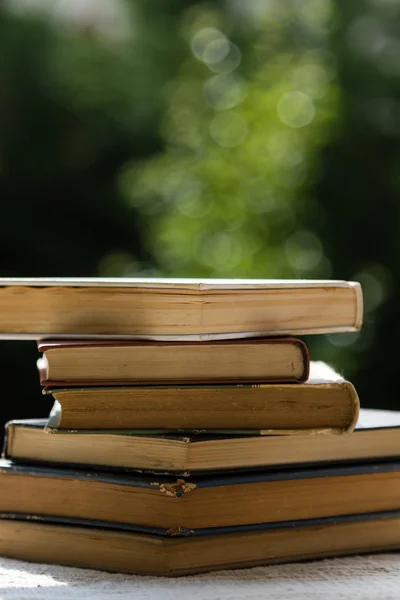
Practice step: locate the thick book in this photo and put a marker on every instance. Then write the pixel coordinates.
(326, 402)
(175, 506)
(34, 539)
(176, 309)
(377, 436)
(109, 363)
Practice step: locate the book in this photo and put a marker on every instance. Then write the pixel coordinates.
(325, 402)
(137, 553)
(176, 309)
(377, 436)
(175, 506)
(109, 363)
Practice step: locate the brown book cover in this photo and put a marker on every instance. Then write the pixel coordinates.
(98, 546)
(203, 503)
(100, 362)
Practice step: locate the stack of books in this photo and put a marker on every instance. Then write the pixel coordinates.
(189, 430)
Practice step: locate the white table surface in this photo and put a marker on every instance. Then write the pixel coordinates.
(353, 578)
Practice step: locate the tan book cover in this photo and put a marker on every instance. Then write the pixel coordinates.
(377, 435)
(176, 309)
(326, 402)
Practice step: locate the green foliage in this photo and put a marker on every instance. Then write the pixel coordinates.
(245, 116)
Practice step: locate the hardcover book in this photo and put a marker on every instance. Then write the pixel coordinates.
(176, 309)
(42, 541)
(204, 504)
(97, 362)
(325, 403)
(377, 436)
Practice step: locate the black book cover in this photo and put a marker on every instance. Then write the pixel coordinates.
(92, 523)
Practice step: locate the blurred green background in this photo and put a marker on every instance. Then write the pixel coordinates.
(205, 139)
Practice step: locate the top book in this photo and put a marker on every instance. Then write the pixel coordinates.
(176, 309)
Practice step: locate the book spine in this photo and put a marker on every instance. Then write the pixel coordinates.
(7, 439)
(355, 403)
